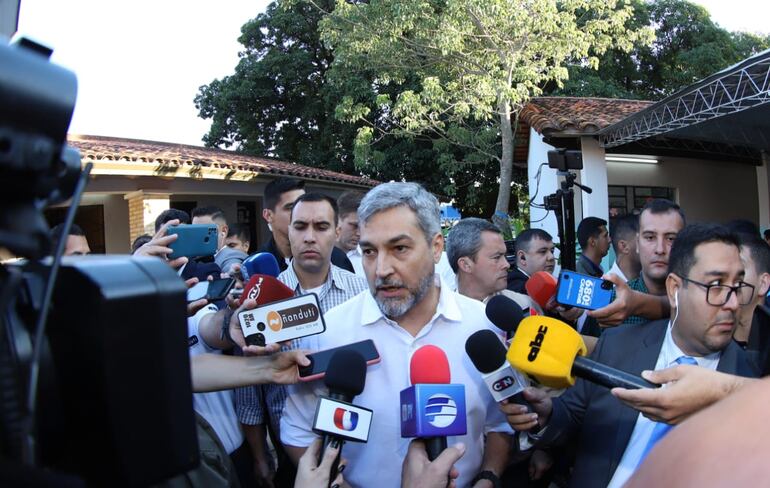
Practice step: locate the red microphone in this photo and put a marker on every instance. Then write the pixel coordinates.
(265, 289)
(431, 408)
(541, 287)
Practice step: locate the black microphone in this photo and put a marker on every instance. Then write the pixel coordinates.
(487, 354)
(504, 313)
(345, 378)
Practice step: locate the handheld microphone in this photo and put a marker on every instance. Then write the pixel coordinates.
(335, 417)
(553, 352)
(487, 354)
(504, 313)
(431, 408)
(541, 287)
(265, 289)
(262, 263)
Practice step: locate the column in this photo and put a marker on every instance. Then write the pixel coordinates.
(143, 209)
(594, 176)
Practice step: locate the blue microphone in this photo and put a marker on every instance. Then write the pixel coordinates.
(262, 263)
(431, 408)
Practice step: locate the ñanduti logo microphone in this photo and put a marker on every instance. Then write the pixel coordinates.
(345, 419)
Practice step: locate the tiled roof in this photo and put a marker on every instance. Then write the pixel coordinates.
(548, 115)
(133, 150)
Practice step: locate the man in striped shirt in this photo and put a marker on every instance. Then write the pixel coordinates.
(312, 234)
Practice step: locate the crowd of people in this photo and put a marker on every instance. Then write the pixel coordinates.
(689, 310)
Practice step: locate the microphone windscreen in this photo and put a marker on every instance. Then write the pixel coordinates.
(346, 372)
(265, 289)
(541, 287)
(262, 263)
(429, 365)
(504, 313)
(486, 351)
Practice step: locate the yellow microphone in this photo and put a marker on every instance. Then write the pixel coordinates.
(554, 353)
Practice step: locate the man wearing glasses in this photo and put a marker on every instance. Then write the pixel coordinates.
(705, 289)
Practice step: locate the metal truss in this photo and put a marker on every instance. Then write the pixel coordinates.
(707, 150)
(735, 89)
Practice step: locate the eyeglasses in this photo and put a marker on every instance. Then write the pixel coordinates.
(718, 295)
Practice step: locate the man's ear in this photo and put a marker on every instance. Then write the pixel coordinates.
(521, 256)
(763, 286)
(437, 246)
(623, 247)
(465, 264)
(673, 284)
(267, 214)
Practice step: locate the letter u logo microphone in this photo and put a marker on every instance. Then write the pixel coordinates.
(345, 419)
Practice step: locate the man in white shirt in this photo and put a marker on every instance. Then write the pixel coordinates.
(623, 235)
(407, 308)
(705, 287)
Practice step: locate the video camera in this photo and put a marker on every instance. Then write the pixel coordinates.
(101, 394)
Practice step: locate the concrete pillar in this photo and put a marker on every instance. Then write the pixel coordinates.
(143, 209)
(763, 191)
(549, 183)
(594, 176)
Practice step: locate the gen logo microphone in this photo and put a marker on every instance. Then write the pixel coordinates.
(488, 356)
(554, 353)
(335, 416)
(431, 408)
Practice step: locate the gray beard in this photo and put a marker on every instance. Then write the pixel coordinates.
(395, 308)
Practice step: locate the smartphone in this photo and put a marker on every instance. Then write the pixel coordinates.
(212, 291)
(583, 291)
(194, 240)
(319, 361)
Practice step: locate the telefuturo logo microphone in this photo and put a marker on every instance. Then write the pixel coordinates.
(441, 410)
(345, 419)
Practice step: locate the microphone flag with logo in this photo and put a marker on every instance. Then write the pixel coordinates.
(262, 263)
(265, 289)
(431, 408)
(554, 353)
(336, 418)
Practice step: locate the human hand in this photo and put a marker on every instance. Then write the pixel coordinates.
(310, 474)
(158, 246)
(194, 307)
(571, 314)
(520, 418)
(264, 473)
(284, 366)
(419, 472)
(688, 390)
(539, 463)
(236, 334)
(616, 312)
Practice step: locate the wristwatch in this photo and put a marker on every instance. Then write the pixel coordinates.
(225, 335)
(487, 475)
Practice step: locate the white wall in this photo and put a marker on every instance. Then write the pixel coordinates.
(708, 191)
(116, 231)
(549, 183)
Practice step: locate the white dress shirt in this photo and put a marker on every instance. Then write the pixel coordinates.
(616, 269)
(379, 461)
(643, 428)
(355, 256)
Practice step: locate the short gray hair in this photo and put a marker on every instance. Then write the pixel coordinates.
(411, 195)
(465, 239)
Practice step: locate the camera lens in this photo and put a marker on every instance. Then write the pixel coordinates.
(261, 326)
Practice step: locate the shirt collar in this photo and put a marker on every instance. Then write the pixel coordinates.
(334, 279)
(523, 272)
(672, 352)
(447, 306)
(596, 268)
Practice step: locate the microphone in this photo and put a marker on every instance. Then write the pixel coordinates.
(541, 287)
(431, 408)
(336, 418)
(265, 289)
(554, 353)
(487, 354)
(262, 263)
(504, 313)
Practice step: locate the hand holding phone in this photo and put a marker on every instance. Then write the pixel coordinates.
(319, 361)
(583, 291)
(193, 240)
(212, 291)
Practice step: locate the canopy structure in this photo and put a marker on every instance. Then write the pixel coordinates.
(725, 116)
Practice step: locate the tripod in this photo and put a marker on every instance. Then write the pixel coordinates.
(563, 205)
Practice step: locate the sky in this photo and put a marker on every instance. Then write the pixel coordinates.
(140, 62)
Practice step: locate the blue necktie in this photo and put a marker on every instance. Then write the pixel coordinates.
(662, 429)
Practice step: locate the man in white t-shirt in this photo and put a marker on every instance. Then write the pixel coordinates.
(407, 307)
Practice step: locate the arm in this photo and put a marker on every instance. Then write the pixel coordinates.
(496, 449)
(418, 472)
(310, 474)
(212, 372)
(688, 390)
(256, 436)
(294, 452)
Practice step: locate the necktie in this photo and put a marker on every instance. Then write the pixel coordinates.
(662, 429)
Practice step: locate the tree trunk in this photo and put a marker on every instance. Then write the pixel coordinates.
(500, 218)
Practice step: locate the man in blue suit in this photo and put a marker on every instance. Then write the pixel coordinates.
(705, 289)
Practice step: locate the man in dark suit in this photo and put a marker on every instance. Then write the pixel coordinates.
(705, 287)
(534, 252)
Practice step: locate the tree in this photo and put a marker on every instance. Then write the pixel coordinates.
(688, 46)
(476, 62)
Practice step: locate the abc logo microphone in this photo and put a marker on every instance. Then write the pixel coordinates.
(554, 353)
(431, 408)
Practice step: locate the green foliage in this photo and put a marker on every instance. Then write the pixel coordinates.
(688, 47)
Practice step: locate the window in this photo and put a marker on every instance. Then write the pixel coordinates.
(627, 199)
